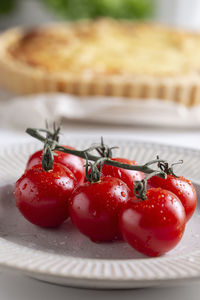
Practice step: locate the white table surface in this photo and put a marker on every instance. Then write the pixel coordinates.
(16, 286)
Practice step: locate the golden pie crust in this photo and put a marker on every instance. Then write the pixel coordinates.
(103, 57)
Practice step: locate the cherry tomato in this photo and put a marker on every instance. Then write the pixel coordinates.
(72, 162)
(95, 207)
(155, 225)
(181, 187)
(127, 176)
(42, 197)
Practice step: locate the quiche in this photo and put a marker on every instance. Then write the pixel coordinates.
(103, 57)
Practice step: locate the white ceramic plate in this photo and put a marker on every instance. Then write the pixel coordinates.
(64, 256)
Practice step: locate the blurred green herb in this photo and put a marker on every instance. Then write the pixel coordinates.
(120, 9)
(6, 6)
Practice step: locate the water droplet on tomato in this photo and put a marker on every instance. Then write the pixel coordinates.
(24, 186)
(123, 194)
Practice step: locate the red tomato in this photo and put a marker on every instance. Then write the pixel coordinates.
(155, 225)
(95, 207)
(181, 187)
(127, 176)
(72, 162)
(42, 197)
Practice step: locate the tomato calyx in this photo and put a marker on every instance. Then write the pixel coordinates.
(48, 155)
(50, 142)
(104, 150)
(93, 170)
(52, 137)
(140, 187)
(168, 169)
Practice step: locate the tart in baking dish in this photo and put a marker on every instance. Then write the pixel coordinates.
(103, 57)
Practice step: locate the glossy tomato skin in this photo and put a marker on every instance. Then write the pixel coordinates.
(42, 197)
(156, 225)
(181, 187)
(127, 176)
(95, 208)
(72, 162)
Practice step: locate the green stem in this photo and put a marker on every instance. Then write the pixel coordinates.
(81, 153)
(140, 187)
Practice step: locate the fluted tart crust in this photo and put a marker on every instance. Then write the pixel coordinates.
(103, 57)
